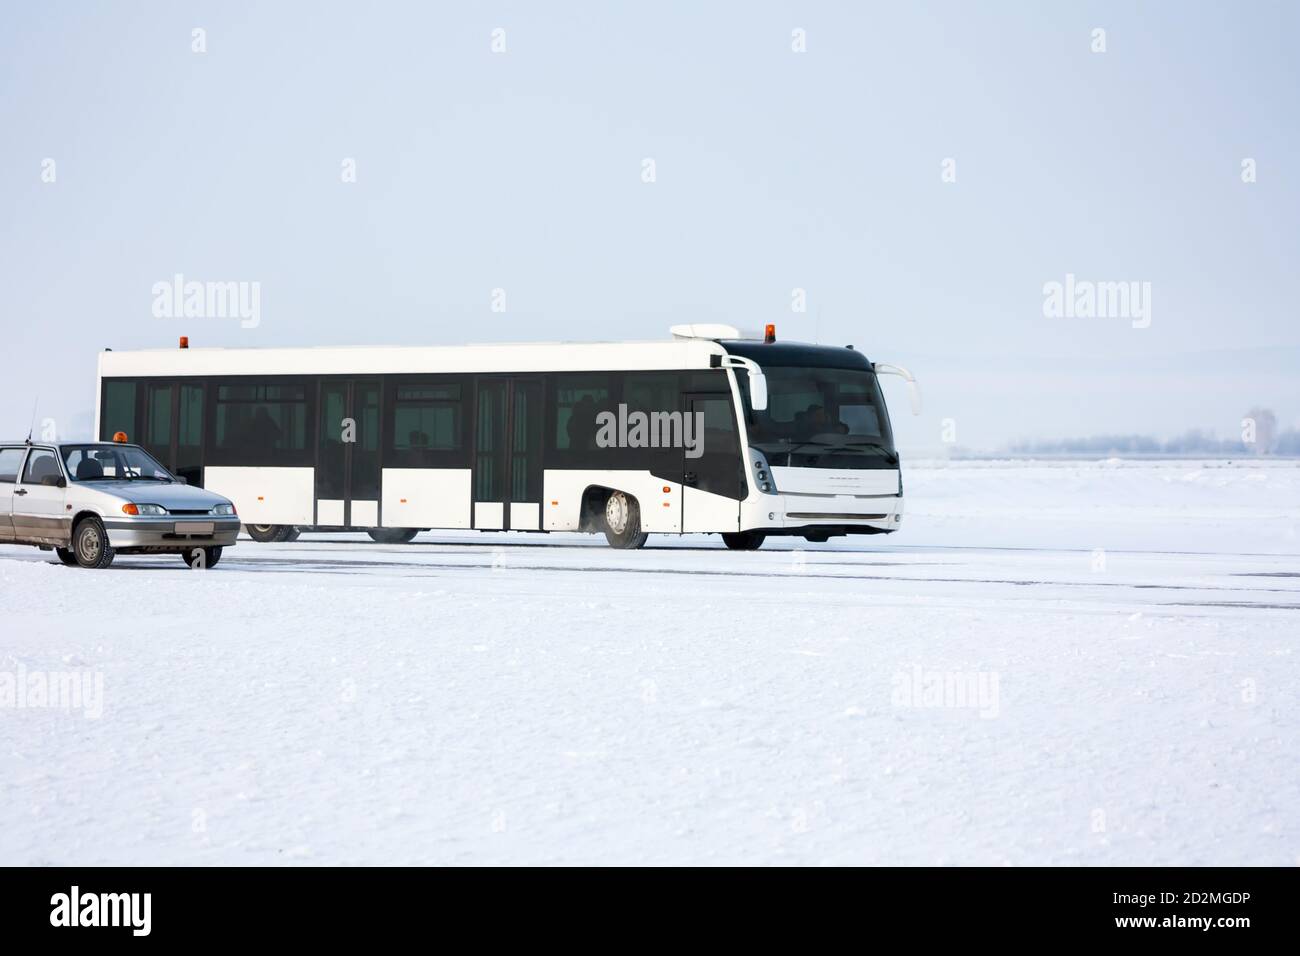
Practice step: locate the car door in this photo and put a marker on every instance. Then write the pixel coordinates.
(39, 500)
(11, 461)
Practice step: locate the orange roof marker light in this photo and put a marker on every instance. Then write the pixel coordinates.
(185, 341)
(119, 437)
(769, 334)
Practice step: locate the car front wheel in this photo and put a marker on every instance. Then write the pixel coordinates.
(201, 558)
(90, 544)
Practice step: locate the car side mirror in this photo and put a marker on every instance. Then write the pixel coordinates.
(181, 480)
(54, 481)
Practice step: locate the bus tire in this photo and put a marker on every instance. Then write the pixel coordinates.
(623, 522)
(292, 533)
(393, 535)
(268, 533)
(67, 556)
(743, 540)
(90, 544)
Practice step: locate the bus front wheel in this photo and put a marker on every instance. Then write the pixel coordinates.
(743, 540)
(623, 522)
(393, 535)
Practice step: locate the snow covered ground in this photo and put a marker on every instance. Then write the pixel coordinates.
(1063, 663)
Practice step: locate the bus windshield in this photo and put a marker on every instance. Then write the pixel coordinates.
(821, 417)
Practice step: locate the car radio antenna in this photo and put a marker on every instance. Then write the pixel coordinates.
(31, 428)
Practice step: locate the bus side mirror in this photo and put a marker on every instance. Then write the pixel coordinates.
(757, 391)
(913, 390)
(757, 380)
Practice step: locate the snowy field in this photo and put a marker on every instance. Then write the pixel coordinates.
(1064, 663)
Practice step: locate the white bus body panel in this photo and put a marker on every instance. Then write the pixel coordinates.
(266, 495)
(489, 515)
(425, 498)
(661, 511)
(329, 512)
(407, 360)
(835, 481)
(704, 511)
(525, 516)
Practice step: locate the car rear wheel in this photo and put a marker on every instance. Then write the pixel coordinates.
(623, 522)
(90, 544)
(269, 533)
(200, 559)
(743, 540)
(393, 535)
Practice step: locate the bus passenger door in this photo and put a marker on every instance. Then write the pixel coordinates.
(347, 455)
(712, 468)
(507, 470)
(173, 427)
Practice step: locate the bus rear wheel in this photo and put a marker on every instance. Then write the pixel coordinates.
(393, 535)
(743, 540)
(269, 533)
(623, 522)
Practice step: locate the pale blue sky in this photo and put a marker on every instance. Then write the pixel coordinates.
(775, 170)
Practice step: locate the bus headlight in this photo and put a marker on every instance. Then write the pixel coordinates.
(762, 473)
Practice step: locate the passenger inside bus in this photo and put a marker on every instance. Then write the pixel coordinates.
(814, 421)
(261, 434)
(581, 427)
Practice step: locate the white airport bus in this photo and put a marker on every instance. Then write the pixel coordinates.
(707, 432)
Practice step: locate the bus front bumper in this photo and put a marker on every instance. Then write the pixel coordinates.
(839, 514)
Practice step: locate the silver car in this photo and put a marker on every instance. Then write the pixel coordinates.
(90, 501)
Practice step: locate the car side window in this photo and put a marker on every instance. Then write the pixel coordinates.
(41, 464)
(10, 460)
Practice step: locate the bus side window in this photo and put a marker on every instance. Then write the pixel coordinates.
(578, 400)
(119, 412)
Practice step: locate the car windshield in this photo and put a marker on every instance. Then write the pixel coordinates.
(112, 463)
(832, 417)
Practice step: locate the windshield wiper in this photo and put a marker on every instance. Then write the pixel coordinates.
(885, 450)
(789, 452)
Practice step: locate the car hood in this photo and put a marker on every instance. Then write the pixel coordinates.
(172, 497)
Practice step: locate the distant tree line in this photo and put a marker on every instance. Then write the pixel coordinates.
(1260, 436)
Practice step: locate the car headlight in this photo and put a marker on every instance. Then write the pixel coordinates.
(134, 509)
(225, 509)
